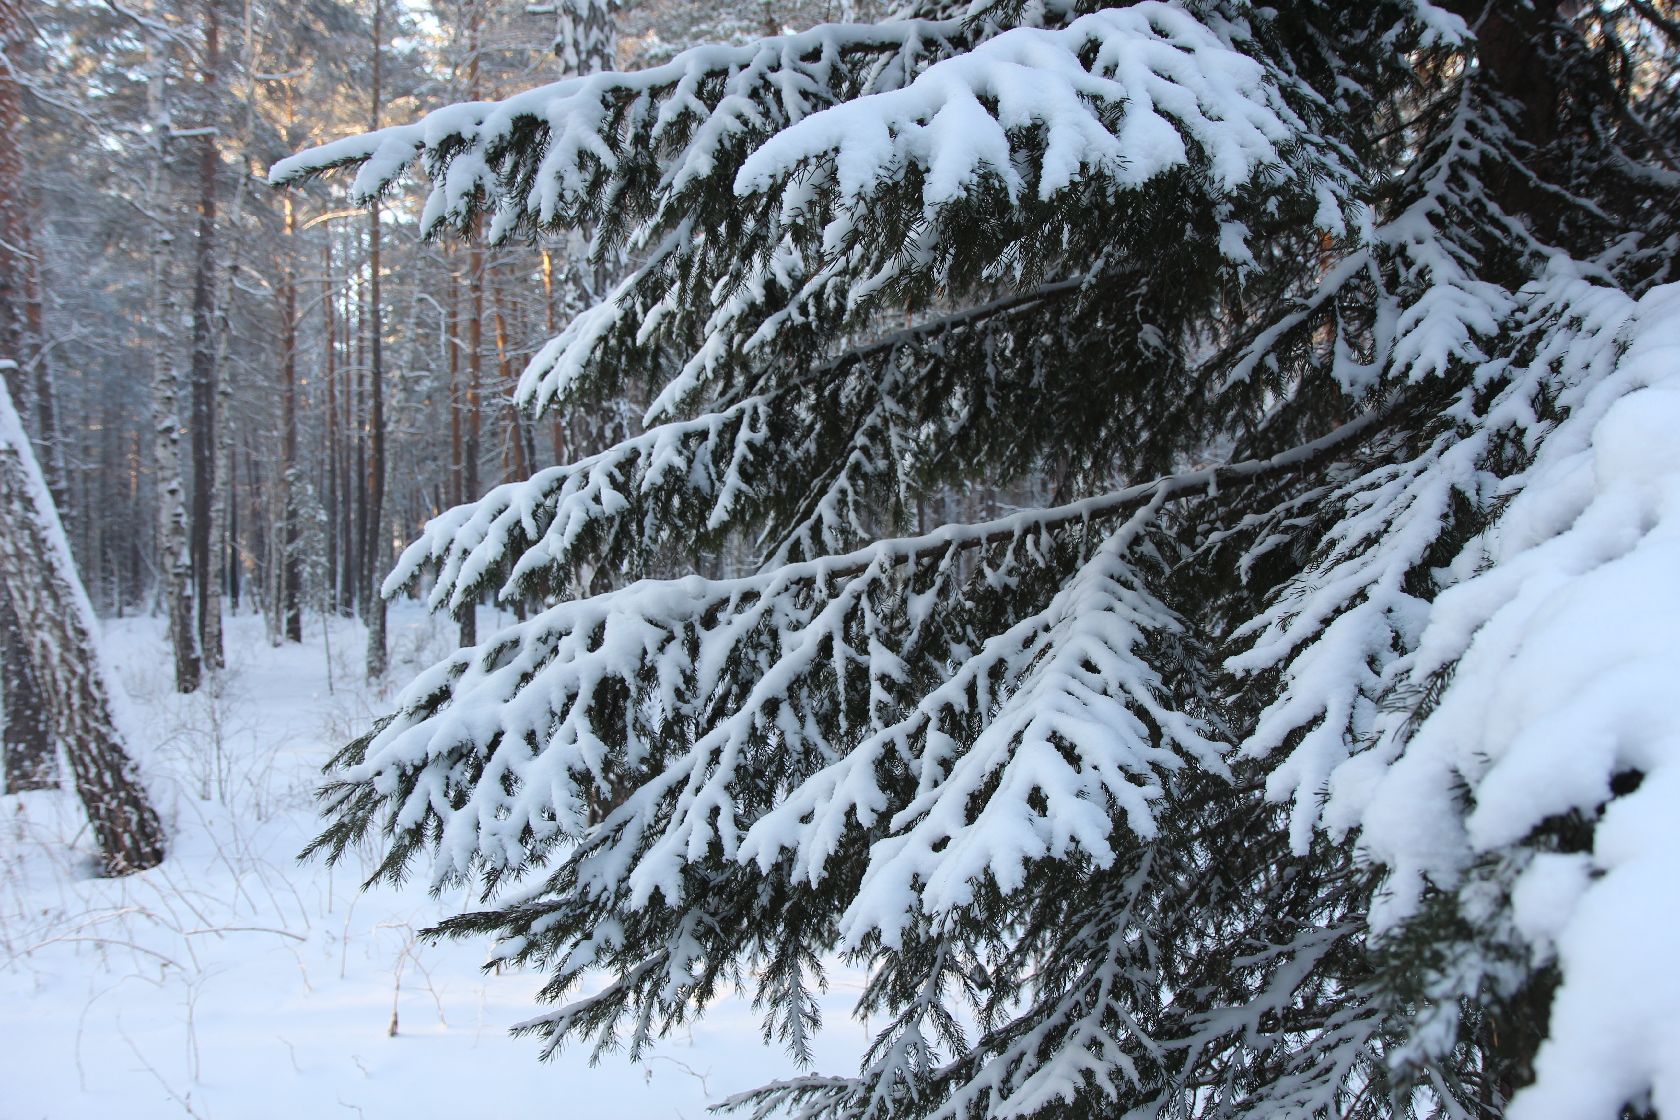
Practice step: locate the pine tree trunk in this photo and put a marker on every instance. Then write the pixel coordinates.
(39, 577)
(21, 315)
(332, 455)
(475, 343)
(475, 383)
(290, 568)
(12, 265)
(551, 313)
(517, 462)
(356, 449)
(457, 398)
(31, 762)
(467, 617)
(374, 559)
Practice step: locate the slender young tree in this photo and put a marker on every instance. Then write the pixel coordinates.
(290, 603)
(1257, 765)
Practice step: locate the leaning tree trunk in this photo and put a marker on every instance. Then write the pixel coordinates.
(39, 577)
(31, 762)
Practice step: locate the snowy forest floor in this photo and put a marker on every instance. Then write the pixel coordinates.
(234, 982)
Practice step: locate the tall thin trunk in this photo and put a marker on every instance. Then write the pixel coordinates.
(174, 552)
(373, 610)
(228, 490)
(475, 341)
(204, 545)
(330, 329)
(290, 566)
(475, 383)
(13, 264)
(39, 578)
(452, 343)
(355, 451)
(47, 442)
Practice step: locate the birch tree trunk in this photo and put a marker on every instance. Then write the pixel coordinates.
(174, 555)
(206, 547)
(39, 578)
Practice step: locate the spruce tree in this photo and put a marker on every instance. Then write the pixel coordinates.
(1305, 752)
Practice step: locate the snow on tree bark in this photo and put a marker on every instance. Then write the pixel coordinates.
(30, 755)
(40, 579)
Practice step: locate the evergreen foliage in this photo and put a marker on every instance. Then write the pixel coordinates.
(1277, 764)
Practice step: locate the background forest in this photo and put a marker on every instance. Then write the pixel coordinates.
(197, 355)
(197, 367)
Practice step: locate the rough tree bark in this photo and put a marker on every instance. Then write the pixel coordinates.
(31, 762)
(39, 577)
(13, 266)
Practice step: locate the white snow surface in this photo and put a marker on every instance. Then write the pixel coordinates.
(231, 982)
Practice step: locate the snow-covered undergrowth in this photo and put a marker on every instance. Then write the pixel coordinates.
(233, 982)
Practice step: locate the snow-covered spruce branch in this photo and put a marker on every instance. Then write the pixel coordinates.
(1410, 299)
(597, 133)
(496, 753)
(1159, 99)
(1342, 632)
(1083, 985)
(616, 506)
(990, 758)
